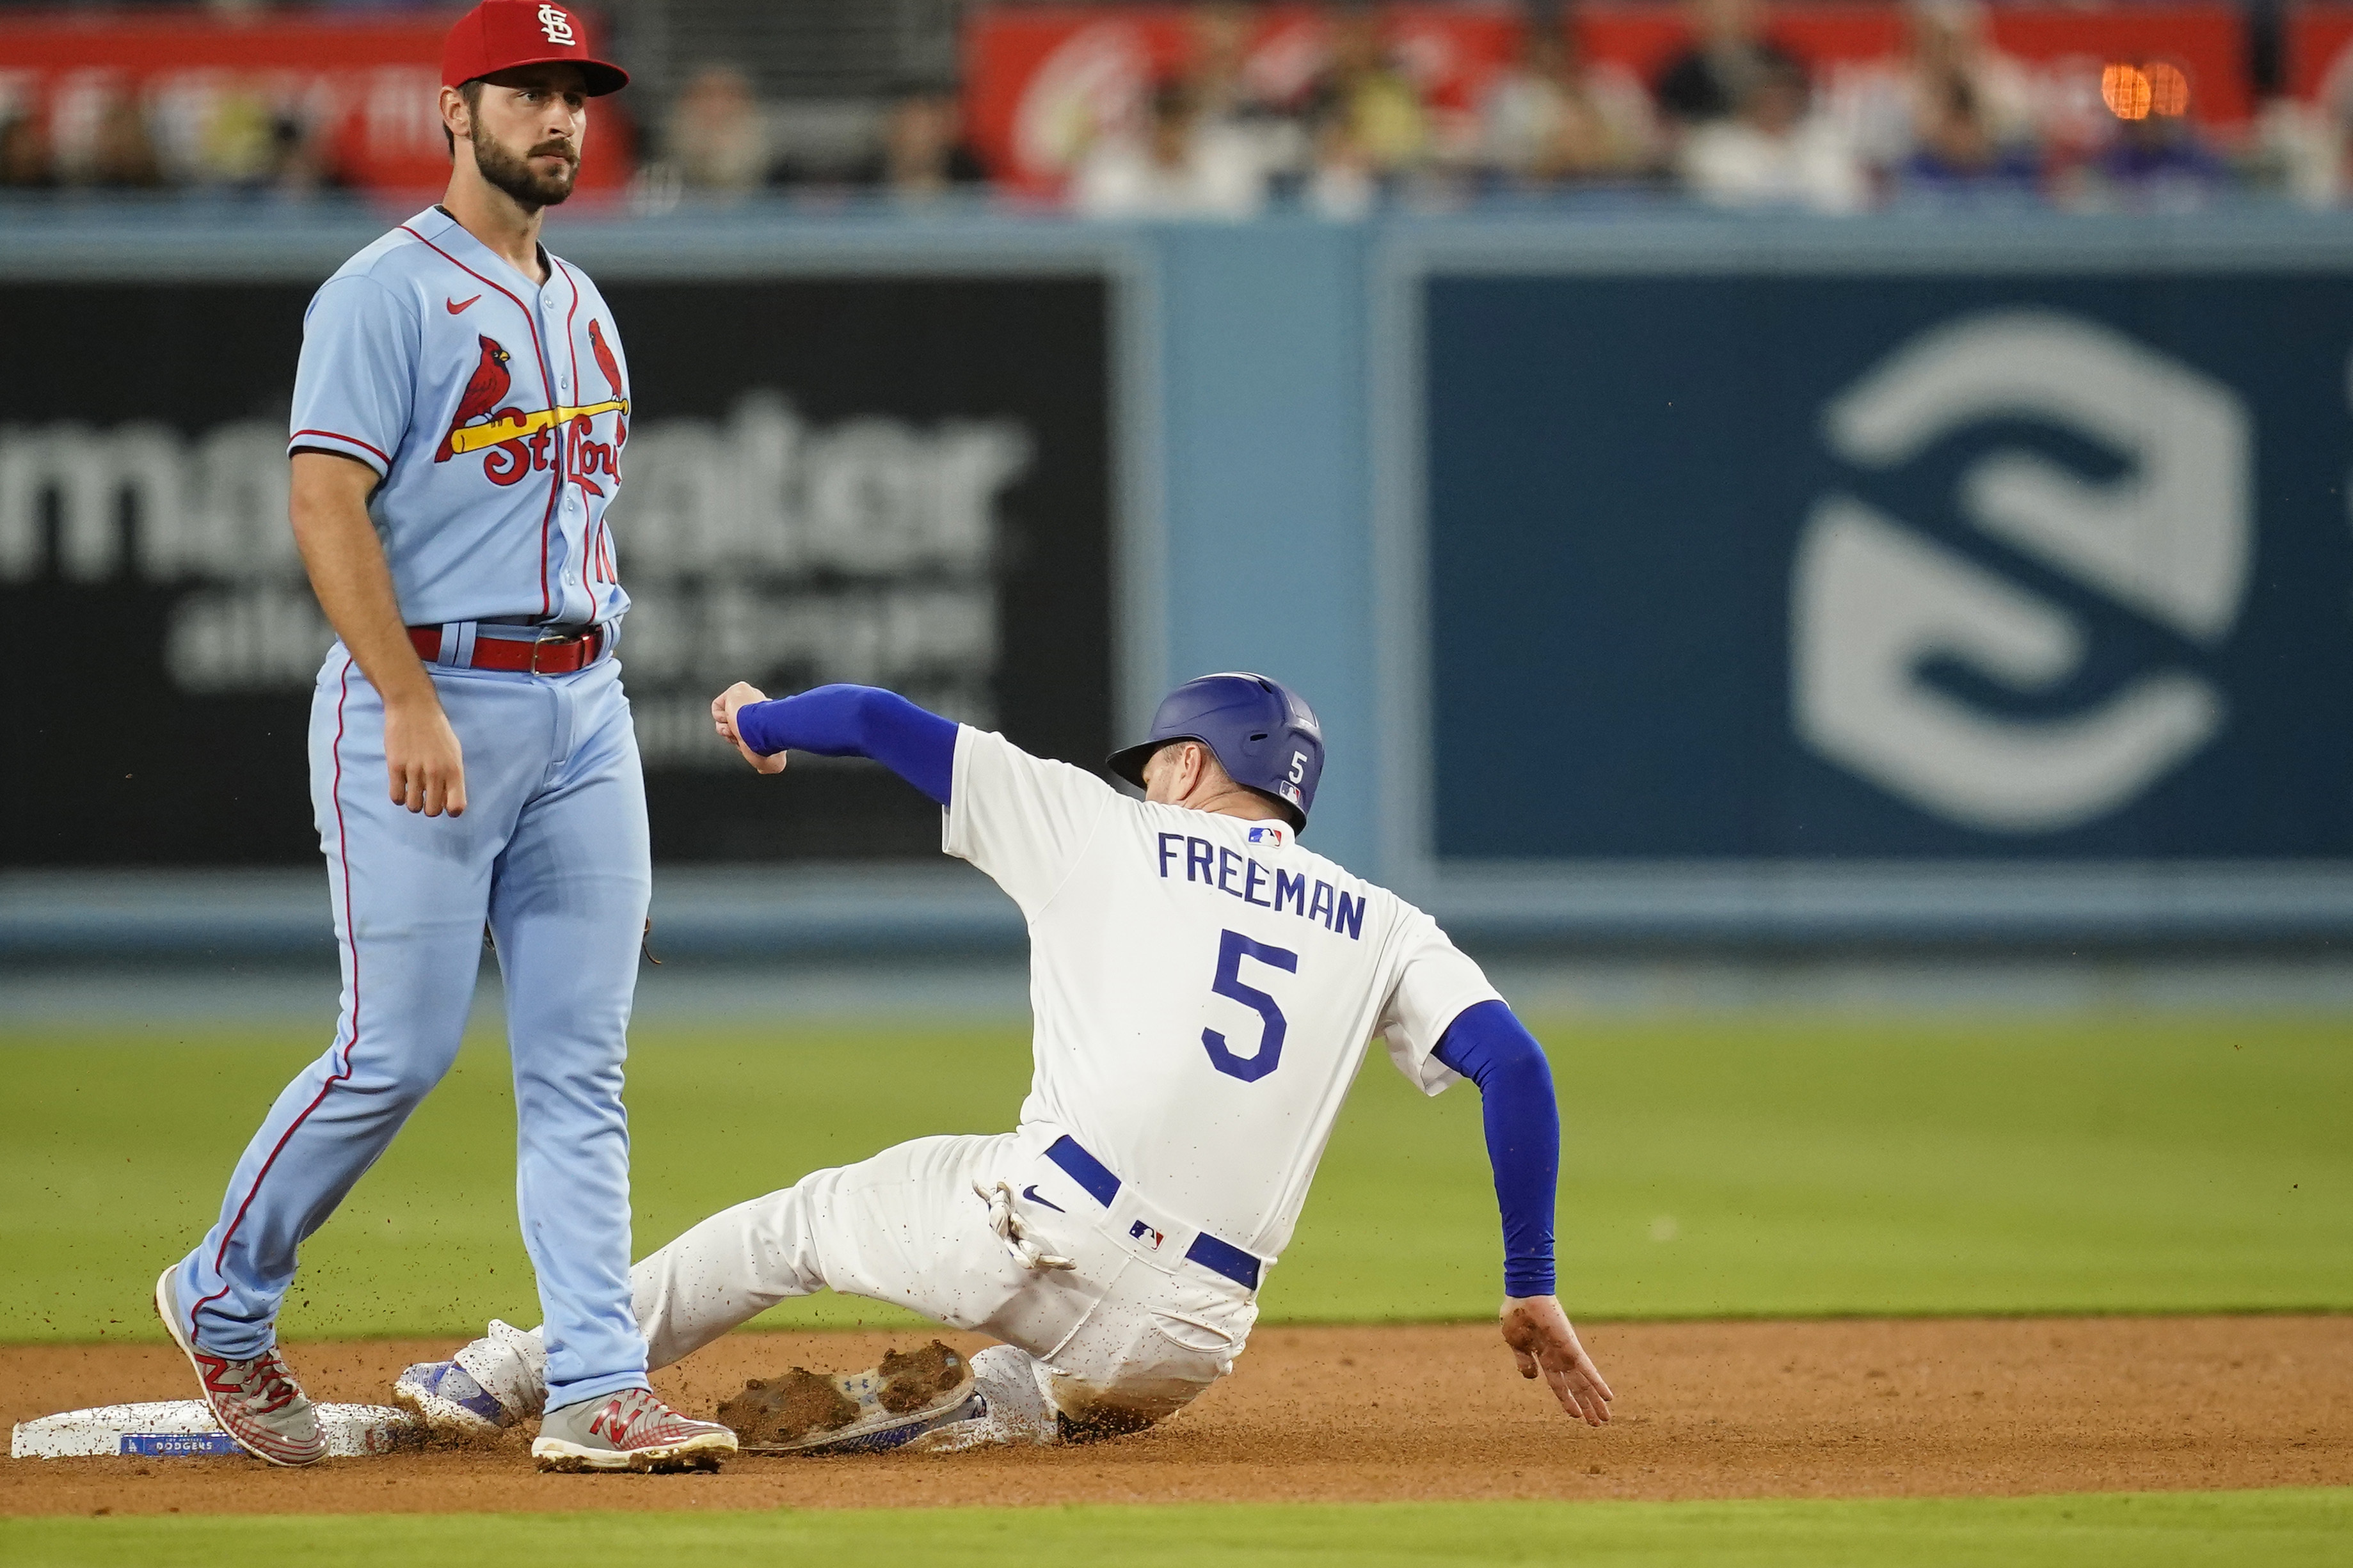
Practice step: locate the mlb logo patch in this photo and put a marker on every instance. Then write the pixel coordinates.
(1274, 834)
(1146, 1235)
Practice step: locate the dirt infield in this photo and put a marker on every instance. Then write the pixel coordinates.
(1704, 1410)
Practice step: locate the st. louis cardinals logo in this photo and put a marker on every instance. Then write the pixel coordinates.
(483, 392)
(602, 455)
(517, 440)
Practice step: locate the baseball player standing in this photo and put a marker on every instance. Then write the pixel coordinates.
(1203, 987)
(459, 412)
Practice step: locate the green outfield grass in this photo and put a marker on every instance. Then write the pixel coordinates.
(1715, 1166)
(2185, 1529)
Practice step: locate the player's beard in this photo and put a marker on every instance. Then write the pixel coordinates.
(530, 189)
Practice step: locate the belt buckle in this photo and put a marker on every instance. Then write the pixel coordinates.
(539, 642)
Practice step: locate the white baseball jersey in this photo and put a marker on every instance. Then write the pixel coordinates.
(1203, 986)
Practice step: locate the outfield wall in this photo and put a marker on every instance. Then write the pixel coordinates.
(1656, 575)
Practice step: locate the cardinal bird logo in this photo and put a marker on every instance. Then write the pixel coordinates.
(517, 437)
(604, 352)
(483, 392)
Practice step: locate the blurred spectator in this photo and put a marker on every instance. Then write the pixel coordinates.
(1344, 183)
(718, 137)
(2159, 161)
(299, 164)
(1183, 165)
(1896, 114)
(122, 154)
(1219, 50)
(1727, 61)
(241, 144)
(2305, 149)
(25, 160)
(1955, 147)
(924, 154)
(1554, 117)
(2298, 149)
(1226, 95)
(244, 138)
(1366, 113)
(1777, 152)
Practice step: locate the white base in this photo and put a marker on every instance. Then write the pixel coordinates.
(176, 1428)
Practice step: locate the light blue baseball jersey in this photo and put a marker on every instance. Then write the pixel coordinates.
(495, 410)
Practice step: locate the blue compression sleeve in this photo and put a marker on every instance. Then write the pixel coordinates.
(1489, 1046)
(858, 721)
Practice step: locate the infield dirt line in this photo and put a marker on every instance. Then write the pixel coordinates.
(1850, 1408)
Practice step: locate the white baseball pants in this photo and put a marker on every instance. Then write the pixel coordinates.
(1128, 1333)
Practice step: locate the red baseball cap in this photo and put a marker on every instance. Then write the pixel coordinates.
(500, 35)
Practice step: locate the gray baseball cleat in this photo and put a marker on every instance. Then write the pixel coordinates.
(631, 1430)
(256, 1402)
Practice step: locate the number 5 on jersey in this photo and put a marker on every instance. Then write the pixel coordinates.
(1233, 948)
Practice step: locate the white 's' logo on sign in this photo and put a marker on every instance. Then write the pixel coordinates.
(556, 25)
(1872, 602)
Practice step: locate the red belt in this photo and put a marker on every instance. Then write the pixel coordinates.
(543, 655)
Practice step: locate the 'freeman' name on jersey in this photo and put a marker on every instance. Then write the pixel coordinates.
(1240, 874)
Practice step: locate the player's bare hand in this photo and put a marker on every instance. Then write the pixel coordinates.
(426, 766)
(1543, 1342)
(722, 718)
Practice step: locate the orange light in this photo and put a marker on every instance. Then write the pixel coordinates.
(2168, 89)
(2127, 92)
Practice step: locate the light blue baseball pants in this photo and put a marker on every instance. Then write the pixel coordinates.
(552, 854)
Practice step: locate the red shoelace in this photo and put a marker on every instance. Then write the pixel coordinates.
(271, 1385)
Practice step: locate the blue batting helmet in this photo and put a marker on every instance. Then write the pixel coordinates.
(1261, 732)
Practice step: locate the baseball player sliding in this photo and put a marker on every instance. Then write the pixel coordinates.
(1203, 987)
(459, 414)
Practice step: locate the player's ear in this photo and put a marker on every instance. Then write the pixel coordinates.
(459, 105)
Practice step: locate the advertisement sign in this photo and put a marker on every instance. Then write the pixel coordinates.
(2319, 53)
(239, 97)
(1042, 83)
(1890, 568)
(901, 482)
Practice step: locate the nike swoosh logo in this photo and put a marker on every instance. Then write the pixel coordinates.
(1030, 1192)
(456, 305)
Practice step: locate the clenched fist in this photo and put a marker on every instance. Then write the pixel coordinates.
(724, 708)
